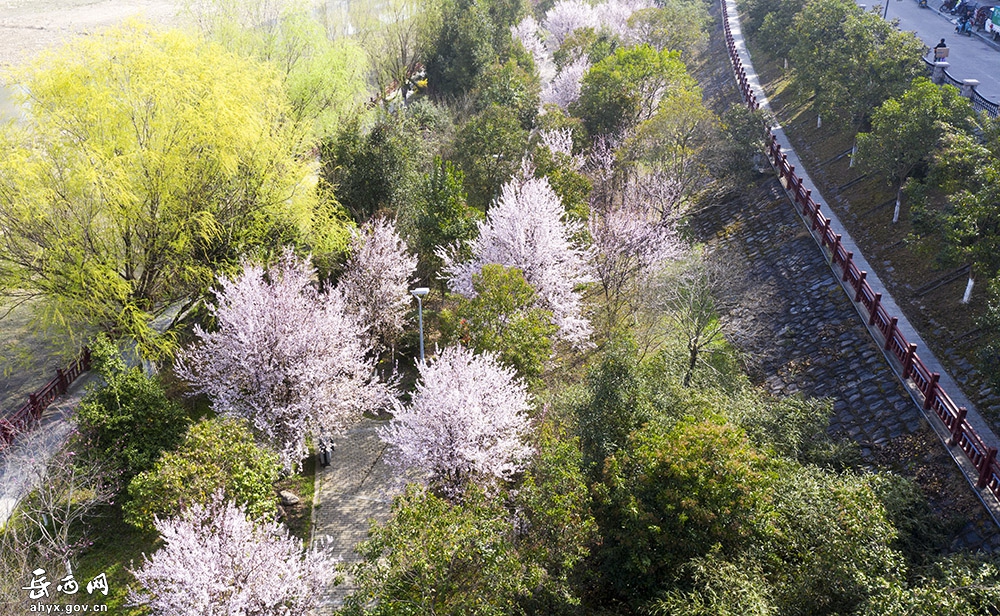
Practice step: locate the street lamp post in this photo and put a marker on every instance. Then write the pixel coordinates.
(419, 293)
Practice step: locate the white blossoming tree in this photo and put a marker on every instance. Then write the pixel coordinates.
(467, 422)
(531, 36)
(375, 284)
(216, 561)
(564, 88)
(284, 356)
(561, 85)
(527, 228)
(629, 245)
(567, 16)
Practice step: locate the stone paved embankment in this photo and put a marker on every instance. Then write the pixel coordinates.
(810, 340)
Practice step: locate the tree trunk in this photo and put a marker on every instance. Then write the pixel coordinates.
(895, 212)
(968, 290)
(692, 361)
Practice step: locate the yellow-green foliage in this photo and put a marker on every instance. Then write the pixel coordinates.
(148, 162)
(325, 79)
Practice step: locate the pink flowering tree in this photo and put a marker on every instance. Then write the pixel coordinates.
(629, 246)
(285, 356)
(632, 224)
(532, 38)
(564, 88)
(216, 561)
(527, 228)
(561, 85)
(567, 16)
(467, 422)
(375, 284)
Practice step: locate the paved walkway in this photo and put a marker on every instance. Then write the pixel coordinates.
(355, 488)
(911, 334)
(39, 444)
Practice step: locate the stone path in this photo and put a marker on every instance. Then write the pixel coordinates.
(809, 340)
(355, 488)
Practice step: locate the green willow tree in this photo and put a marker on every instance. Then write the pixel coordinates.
(324, 77)
(149, 162)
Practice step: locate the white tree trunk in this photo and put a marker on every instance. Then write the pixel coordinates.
(819, 121)
(895, 211)
(854, 150)
(968, 290)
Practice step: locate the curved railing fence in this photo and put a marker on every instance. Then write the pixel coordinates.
(979, 102)
(31, 411)
(913, 370)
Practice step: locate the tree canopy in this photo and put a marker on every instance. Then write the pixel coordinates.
(149, 162)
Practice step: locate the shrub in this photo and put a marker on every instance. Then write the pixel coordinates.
(216, 454)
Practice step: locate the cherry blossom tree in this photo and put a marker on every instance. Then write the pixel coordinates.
(567, 16)
(564, 88)
(632, 224)
(614, 16)
(532, 38)
(216, 561)
(560, 141)
(285, 356)
(527, 228)
(375, 284)
(629, 245)
(467, 421)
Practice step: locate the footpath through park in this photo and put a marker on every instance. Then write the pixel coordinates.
(19, 464)
(967, 437)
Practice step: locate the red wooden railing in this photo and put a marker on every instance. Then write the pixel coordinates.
(24, 418)
(935, 398)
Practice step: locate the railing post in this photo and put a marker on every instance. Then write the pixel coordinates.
(969, 87)
(847, 266)
(890, 333)
(836, 248)
(86, 358)
(911, 350)
(938, 76)
(956, 428)
(826, 231)
(985, 471)
(36, 407)
(860, 285)
(875, 305)
(931, 393)
(62, 382)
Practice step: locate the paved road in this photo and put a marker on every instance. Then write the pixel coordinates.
(975, 57)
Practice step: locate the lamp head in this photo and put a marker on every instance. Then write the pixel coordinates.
(420, 292)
